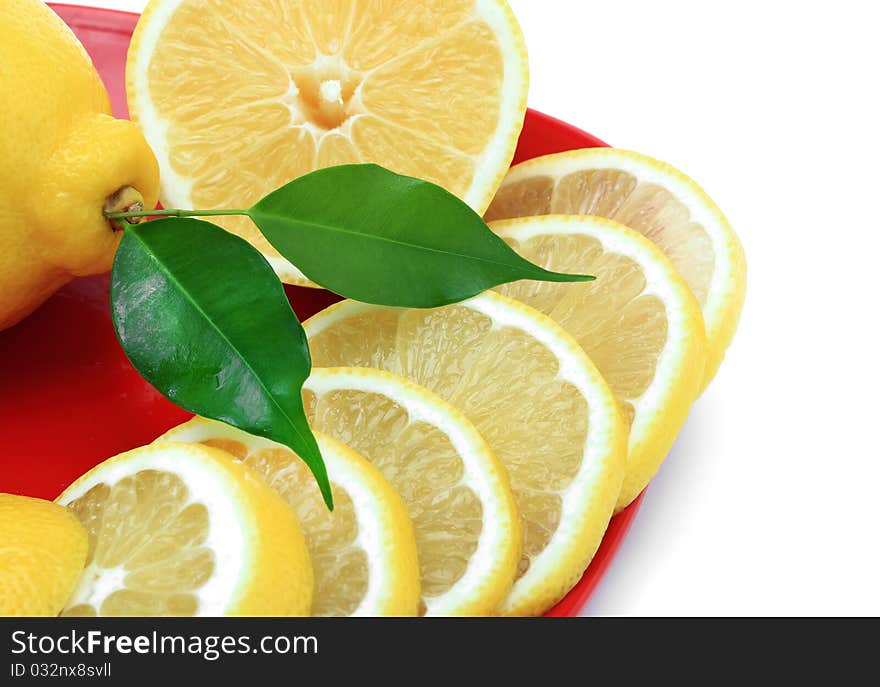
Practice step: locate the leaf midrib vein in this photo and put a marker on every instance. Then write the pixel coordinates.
(169, 274)
(340, 230)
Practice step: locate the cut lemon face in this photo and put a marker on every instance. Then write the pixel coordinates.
(42, 554)
(535, 397)
(364, 552)
(183, 530)
(639, 323)
(466, 525)
(237, 99)
(656, 200)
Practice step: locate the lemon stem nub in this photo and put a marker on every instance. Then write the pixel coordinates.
(126, 199)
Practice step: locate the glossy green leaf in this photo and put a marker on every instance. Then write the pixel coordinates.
(378, 237)
(204, 319)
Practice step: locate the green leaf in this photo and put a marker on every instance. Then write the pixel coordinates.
(378, 237)
(204, 319)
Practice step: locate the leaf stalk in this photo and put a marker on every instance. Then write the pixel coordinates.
(130, 214)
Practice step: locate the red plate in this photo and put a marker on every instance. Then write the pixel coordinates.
(69, 397)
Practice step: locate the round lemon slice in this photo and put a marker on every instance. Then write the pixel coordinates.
(639, 323)
(183, 530)
(456, 491)
(656, 200)
(535, 397)
(42, 554)
(364, 552)
(238, 98)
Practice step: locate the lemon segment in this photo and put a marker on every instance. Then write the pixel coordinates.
(639, 323)
(654, 199)
(238, 99)
(364, 552)
(467, 528)
(532, 393)
(42, 554)
(181, 530)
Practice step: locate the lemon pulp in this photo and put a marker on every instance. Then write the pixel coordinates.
(148, 534)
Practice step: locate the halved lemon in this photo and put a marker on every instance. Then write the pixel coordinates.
(456, 491)
(533, 394)
(182, 530)
(364, 552)
(656, 200)
(237, 98)
(42, 554)
(639, 323)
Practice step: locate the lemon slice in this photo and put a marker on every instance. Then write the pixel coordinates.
(532, 393)
(467, 529)
(42, 554)
(182, 530)
(364, 552)
(656, 200)
(639, 323)
(237, 98)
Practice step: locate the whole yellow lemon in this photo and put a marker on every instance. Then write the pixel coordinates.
(42, 555)
(63, 157)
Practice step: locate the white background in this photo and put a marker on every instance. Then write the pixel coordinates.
(767, 505)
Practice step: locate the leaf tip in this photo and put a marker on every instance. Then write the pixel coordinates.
(327, 494)
(564, 277)
(319, 472)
